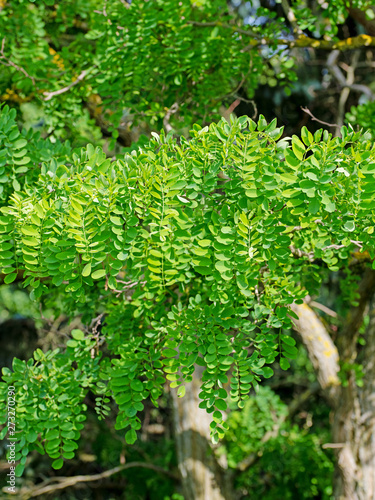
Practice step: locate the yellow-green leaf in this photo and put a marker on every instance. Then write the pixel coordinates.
(98, 274)
(86, 270)
(29, 231)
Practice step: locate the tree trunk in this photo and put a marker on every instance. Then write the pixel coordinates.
(353, 416)
(202, 476)
(354, 429)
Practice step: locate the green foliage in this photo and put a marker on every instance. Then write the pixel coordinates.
(189, 247)
(291, 464)
(193, 250)
(49, 391)
(363, 116)
(21, 153)
(17, 302)
(139, 60)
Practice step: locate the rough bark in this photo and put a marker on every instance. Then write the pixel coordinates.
(320, 348)
(202, 476)
(354, 429)
(353, 422)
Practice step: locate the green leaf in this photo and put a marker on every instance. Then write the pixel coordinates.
(181, 391)
(298, 147)
(288, 340)
(9, 278)
(21, 143)
(98, 274)
(205, 271)
(86, 271)
(131, 411)
(16, 185)
(204, 243)
(221, 404)
(262, 123)
(52, 434)
(267, 372)
(131, 436)
(291, 159)
(57, 464)
(349, 226)
(307, 136)
(288, 178)
(136, 385)
(314, 206)
(29, 231)
(19, 469)
(116, 220)
(78, 334)
(284, 364)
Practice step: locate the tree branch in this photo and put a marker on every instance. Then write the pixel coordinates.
(173, 109)
(65, 482)
(323, 308)
(302, 41)
(314, 119)
(79, 78)
(12, 64)
(291, 17)
(348, 82)
(321, 350)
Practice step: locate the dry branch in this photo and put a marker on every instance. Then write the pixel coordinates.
(65, 482)
(321, 350)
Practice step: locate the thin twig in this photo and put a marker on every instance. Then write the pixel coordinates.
(79, 78)
(346, 82)
(10, 63)
(222, 25)
(337, 247)
(96, 322)
(323, 308)
(233, 106)
(297, 252)
(104, 11)
(302, 42)
(171, 111)
(308, 112)
(333, 445)
(291, 17)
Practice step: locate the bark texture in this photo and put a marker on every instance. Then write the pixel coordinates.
(202, 476)
(320, 348)
(353, 422)
(354, 429)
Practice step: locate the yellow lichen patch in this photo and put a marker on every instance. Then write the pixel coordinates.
(13, 96)
(367, 40)
(95, 101)
(332, 380)
(362, 256)
(57, 59)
